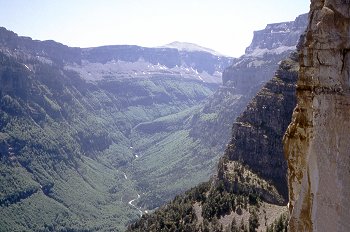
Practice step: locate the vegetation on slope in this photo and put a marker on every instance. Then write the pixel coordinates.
(212, 207)
(66, 143)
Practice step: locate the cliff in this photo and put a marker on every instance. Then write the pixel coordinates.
(277, 37)
(125, 61)
(317, 140)
(268, 47)
(257, 133)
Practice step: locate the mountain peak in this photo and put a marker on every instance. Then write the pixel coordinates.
(190, 47)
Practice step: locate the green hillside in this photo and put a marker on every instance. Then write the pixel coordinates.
(66, 144)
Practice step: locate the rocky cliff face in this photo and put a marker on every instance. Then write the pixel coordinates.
(317, 141)
(258, 131)
(11, 43)
(277, 37)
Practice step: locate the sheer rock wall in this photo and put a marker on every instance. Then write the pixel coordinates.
(317, 142)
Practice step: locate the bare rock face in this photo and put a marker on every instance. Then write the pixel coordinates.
(317, 142)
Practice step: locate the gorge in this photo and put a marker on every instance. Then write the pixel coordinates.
(94, 137)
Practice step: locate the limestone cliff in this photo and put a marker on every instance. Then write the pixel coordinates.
(258, 131)
(317, 141)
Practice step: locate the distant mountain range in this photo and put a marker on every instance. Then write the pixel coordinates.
(125, 61)
(135, 61)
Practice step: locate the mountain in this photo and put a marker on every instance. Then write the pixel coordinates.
(253, 166)
(242, 80)
(317, 140)
(67, 122)
(277, 38)
(249, 190)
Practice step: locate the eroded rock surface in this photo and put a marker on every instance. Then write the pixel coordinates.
(317, 141)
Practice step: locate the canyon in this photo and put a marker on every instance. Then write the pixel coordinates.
(94, 137)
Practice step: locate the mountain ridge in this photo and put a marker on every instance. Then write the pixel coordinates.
(200, 65)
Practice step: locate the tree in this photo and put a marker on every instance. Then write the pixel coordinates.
(234, 227)
(253, 221)
(215, 225)
(242, 227)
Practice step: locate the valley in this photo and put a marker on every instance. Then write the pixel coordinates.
(70, 143)
(95, 137)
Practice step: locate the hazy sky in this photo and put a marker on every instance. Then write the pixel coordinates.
(223, 25)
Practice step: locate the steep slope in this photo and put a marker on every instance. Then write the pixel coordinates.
(65, 140)
(317, 141)
(51, 138)
(257, 132)
(248, 189)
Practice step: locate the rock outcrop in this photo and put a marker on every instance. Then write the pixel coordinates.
(135, 61)
(317, 141)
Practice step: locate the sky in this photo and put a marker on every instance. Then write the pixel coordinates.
(223, 25)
